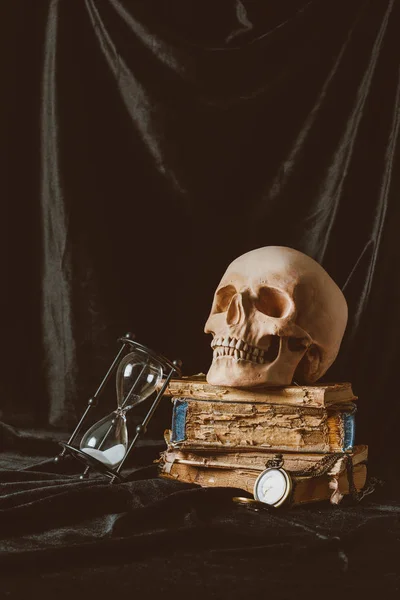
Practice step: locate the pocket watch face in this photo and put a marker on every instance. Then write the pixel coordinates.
(272, 487)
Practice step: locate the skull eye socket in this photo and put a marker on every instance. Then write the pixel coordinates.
(272, 302)
(223, 298)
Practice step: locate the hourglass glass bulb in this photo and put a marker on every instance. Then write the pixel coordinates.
(137, 378)
(107, 440)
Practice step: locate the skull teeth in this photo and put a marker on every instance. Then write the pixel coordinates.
(238, 349)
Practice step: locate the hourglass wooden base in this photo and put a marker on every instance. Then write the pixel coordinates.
(91, 462)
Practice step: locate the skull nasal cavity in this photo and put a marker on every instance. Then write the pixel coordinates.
(272, 302)
(235, 311)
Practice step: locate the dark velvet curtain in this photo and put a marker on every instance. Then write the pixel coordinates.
(146, 144)
(149, 143)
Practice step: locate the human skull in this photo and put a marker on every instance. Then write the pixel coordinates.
(276, 316)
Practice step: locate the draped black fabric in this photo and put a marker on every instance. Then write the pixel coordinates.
(147, 144)
(70, 538)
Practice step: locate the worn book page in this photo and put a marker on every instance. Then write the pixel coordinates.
(306, 490)
(241, 425)
(318, 395)
(257, 461)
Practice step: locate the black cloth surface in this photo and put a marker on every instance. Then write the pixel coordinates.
(60, 535)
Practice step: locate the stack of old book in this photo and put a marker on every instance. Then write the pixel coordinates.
(223, 436)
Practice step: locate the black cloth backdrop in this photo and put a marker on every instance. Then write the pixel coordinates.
(147, 145)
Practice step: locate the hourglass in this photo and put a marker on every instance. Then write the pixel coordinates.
(106, 445)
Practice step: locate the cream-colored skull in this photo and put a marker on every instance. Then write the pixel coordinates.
(277, 316)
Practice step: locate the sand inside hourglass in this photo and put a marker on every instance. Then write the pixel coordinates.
(107, 440)
(111, 456)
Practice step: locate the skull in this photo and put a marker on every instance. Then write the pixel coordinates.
(276, 316)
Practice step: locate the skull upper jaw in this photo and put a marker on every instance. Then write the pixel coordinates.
(227, 371)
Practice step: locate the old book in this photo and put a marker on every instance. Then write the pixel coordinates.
(317, 395)
(201, 424)
(294, 462)
(332, 485)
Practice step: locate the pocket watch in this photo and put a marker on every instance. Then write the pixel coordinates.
(272, 486)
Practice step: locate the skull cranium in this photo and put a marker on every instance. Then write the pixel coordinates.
(276, 315)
